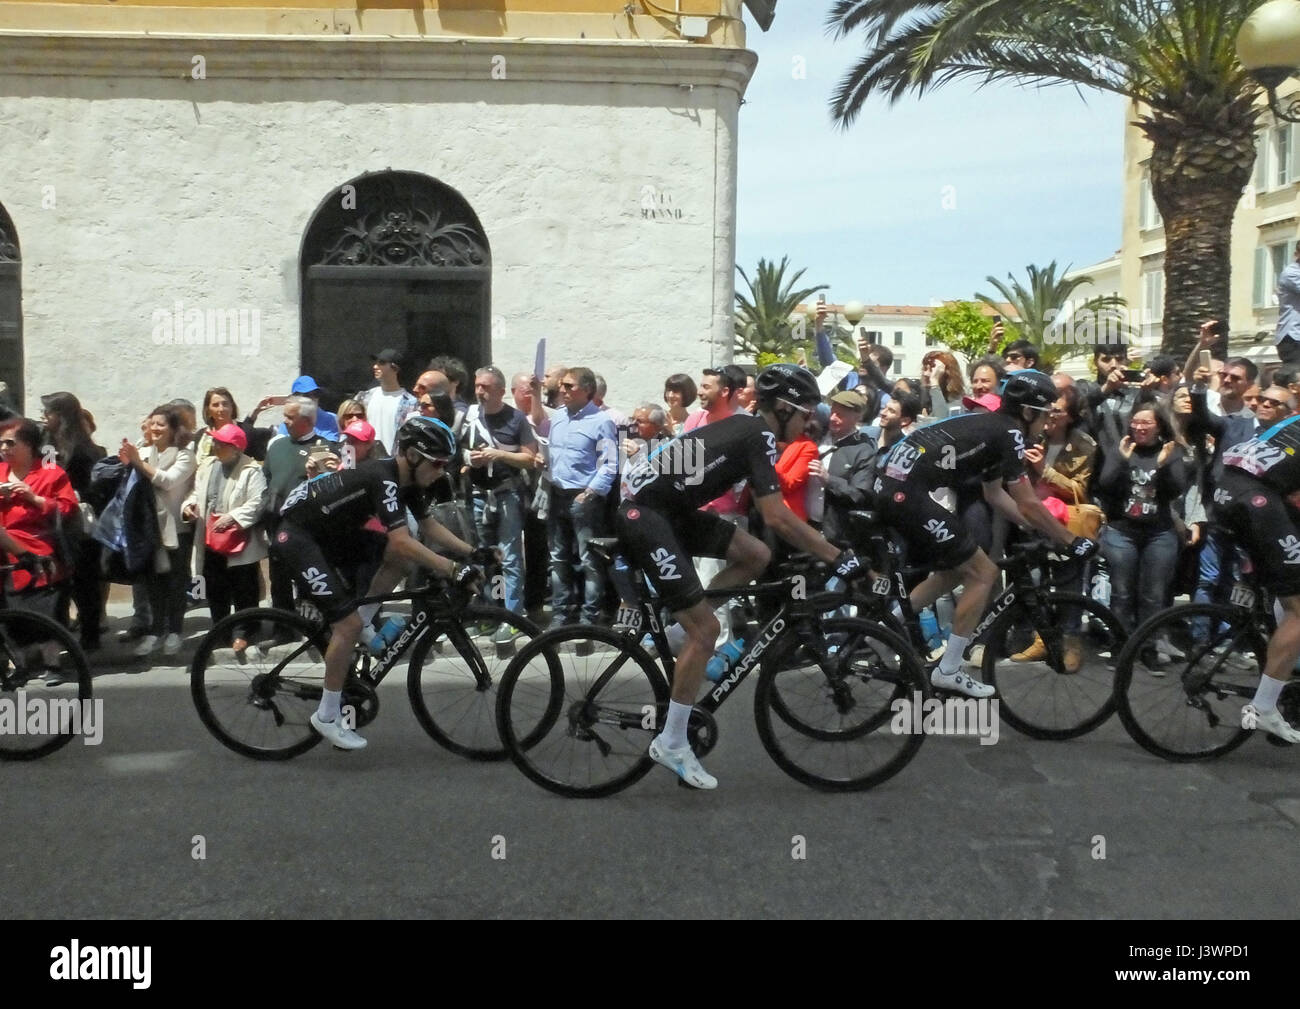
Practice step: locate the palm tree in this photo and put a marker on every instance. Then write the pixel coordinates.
(1174, 59)
(1043, 309)
(762, 322)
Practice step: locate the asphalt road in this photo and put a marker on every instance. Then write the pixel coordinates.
(406, 829)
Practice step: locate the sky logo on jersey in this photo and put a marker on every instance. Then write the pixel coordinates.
(939, 530)
(666, 561)
(316, 578)
(1291, 547)
(390, 495)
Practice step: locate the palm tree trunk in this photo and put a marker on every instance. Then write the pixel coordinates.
(1197, 176)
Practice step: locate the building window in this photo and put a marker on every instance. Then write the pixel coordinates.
(1275, 153)
(1148, 212)
(1270, 261)
(898, 366)
(898, 338)
(1153, 296)
(932, 341)
(873, 336)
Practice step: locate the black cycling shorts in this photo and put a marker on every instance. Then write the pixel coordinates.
(328, 572)
(1261, 521)
(934, 535)
(664, 547)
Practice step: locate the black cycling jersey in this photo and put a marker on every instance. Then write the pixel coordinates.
(988, 446)
(1272, 457)
(336, 503)
(698, 467)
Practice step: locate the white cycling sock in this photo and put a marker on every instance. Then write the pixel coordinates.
(1267, 693)
(953, 652)
(674, 734)
(367, 614)
(330, 703)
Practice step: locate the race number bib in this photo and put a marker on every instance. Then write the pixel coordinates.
(902, 461)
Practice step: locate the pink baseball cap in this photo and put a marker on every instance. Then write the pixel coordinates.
(360, 430)
(989, 401)
(231, 434)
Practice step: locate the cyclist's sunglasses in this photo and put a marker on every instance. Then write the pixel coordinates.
(807, 411)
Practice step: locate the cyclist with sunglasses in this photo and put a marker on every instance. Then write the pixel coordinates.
(662, 528)
(321, 535)
(915, 495)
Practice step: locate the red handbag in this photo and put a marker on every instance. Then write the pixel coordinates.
(227, 542)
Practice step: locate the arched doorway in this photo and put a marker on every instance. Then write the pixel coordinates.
(393, 259)
(11, 312)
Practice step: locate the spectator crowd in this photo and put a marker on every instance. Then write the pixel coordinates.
(184, 507)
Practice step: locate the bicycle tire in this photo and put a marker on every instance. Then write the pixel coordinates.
(455, 702)
(252, 707)
(1192, 711)
(869, 657)
(24, 639)
(1070, 690)
(555, 725)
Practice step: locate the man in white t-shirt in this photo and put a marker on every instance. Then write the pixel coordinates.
(387, 404)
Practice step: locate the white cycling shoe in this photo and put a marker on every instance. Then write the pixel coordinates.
(961, 683)
(337, 733)
(683, 763)
(1271, 722)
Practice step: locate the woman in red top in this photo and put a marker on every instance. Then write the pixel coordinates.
(33, 490)
(792, 472)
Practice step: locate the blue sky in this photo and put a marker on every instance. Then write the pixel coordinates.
(1036, 175)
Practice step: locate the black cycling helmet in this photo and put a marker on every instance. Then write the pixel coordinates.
(1028, 388)
(788, 382)
(429, 437)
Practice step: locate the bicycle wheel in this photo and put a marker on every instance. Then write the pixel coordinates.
(828, 714)
(1054, 665)
(1183, 678)
(453, 688)
(44, 687)
(261, 706)
(577, 708)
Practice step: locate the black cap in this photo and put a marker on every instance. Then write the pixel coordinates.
(387, 356)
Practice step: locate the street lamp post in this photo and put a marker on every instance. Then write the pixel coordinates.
(1268, 46)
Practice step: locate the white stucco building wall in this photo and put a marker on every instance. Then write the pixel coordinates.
(603, 174)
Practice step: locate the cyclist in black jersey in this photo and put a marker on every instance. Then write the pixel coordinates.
(915, 495)
(1251, 500)
(661, 529)
(321, 533)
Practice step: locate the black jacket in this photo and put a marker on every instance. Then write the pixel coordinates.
(849, 479)
(128, 519)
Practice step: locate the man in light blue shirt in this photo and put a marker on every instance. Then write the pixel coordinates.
(1287, 336)
(583, 459)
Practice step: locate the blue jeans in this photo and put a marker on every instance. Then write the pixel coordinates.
(572, 526)
(1141, 566)
(503, 528)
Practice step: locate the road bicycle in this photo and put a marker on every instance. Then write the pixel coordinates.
(41, 662)
(259, 703)
(578, 706)
(1186, 674)
(1051, 654)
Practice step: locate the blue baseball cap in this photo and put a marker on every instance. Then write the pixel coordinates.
(304, 384)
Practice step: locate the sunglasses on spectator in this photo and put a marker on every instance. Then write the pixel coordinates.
(1226, 376)
(426, 404)
(568, 385)
(1262, 399)
(359, 416)
(1015, 356)
(8, 443)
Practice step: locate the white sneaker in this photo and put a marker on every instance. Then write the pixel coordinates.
(976, 656)
(147, 646)
(1271, 722)
(341, 736)
(172, 644)
(961, 683)
(1170, 651)
(1235, 660)
(683, 763)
